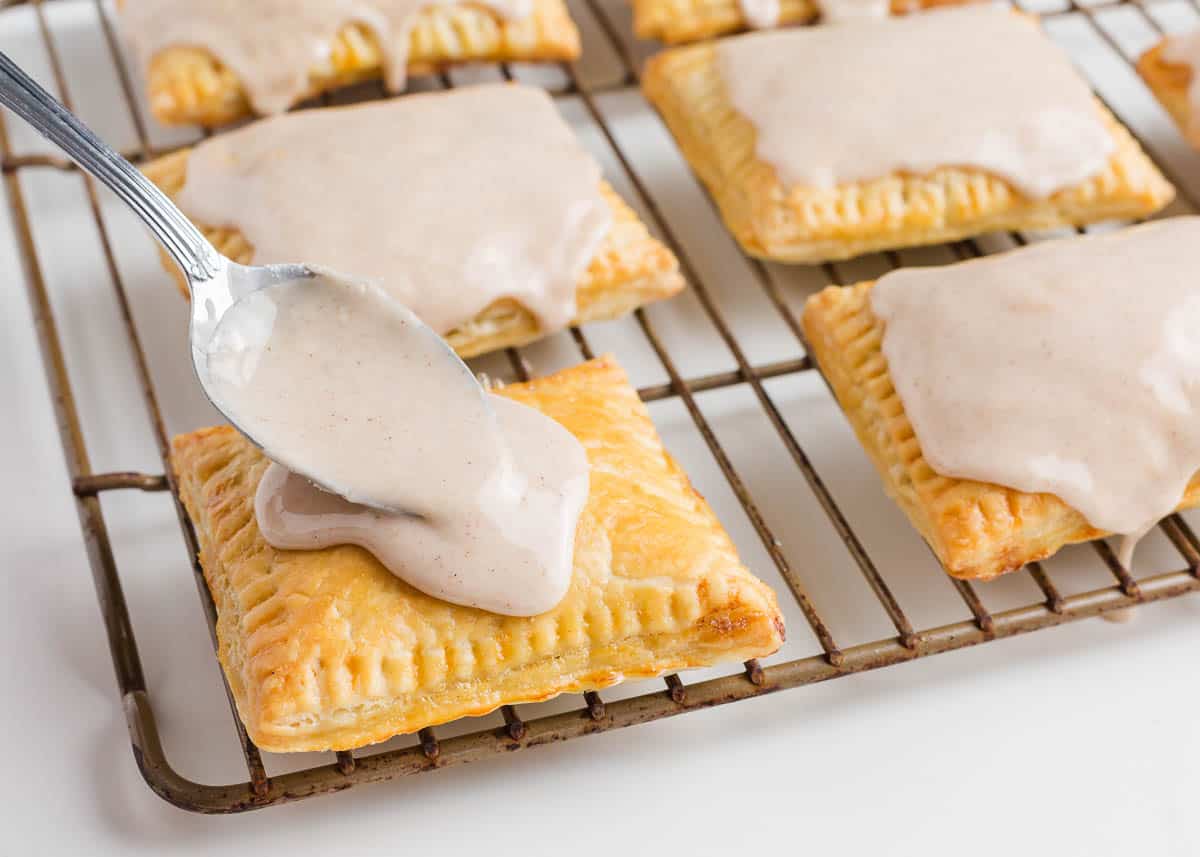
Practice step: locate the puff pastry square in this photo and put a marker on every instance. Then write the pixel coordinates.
(630, 269)
(326, 650)
(678, 22)
(189, 85)
(977, 529)
(1170, 81)
(900, 210)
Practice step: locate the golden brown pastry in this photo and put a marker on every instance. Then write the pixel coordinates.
(328, 650)
(977, 529)
(804, 224)
(678, 22)
(188, 85)
(631, 268)
(1170, 81)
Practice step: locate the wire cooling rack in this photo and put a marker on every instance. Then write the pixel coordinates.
(686, 352)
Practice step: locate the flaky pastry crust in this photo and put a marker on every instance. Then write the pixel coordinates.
(977, 529)
(190, 85)
(678, 22)
(1170, 81)
(899, 210)
(631, 268)
(327, 650)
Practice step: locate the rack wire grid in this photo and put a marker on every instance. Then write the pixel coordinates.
(736, 332)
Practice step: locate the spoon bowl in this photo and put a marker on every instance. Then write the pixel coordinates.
(216, 284)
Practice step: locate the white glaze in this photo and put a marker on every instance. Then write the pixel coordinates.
(1069, 367)
(450, 201)
(336, 380)
(850, 11)
(764, 14)
(760, 14)
(975, 86)
(272, 45)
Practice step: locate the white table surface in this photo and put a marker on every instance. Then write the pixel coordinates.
(1077, 740)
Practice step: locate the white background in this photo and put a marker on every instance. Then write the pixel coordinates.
(1078, 740)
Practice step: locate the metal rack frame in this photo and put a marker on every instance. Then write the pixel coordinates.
(593, 715)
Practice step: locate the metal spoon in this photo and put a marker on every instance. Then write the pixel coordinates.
(215, 283)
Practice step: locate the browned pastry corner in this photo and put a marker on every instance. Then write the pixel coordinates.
(327, 650)
(977, 529)
(1170, 82)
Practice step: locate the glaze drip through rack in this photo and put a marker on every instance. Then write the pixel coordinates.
(595, 90)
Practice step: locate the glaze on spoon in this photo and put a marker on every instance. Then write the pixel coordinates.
(473, 498)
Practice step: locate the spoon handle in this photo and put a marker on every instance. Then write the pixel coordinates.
(186, 244)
